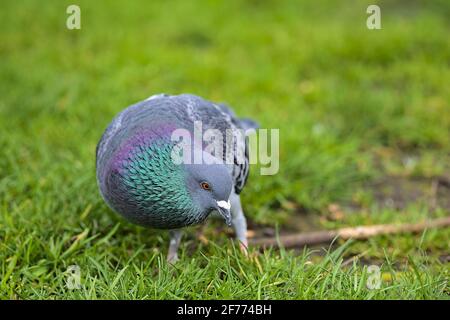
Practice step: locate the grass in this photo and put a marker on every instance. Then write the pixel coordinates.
(360, 113)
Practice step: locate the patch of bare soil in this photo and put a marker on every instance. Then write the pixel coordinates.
(395, 192)
(398, 192)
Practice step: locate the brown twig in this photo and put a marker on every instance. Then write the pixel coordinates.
(360, 233)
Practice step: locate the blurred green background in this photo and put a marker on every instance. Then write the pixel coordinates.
(364, 119)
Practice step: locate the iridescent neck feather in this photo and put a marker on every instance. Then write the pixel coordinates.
(153, 187)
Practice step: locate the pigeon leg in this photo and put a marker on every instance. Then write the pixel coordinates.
(238, 221)
(175, 237)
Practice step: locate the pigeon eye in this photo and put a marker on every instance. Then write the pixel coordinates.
(205, 186)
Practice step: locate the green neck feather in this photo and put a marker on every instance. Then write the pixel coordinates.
(158, 186)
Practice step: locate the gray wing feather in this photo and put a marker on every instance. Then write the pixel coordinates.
(220, 116)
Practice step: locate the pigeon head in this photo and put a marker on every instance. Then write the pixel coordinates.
(210, 187)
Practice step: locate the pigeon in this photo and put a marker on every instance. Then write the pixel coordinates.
(140, 178)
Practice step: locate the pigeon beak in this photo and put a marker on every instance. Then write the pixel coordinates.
(224, 210)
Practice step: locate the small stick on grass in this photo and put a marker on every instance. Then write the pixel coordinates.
(360, 233)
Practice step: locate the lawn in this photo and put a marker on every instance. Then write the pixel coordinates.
(364, 119)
